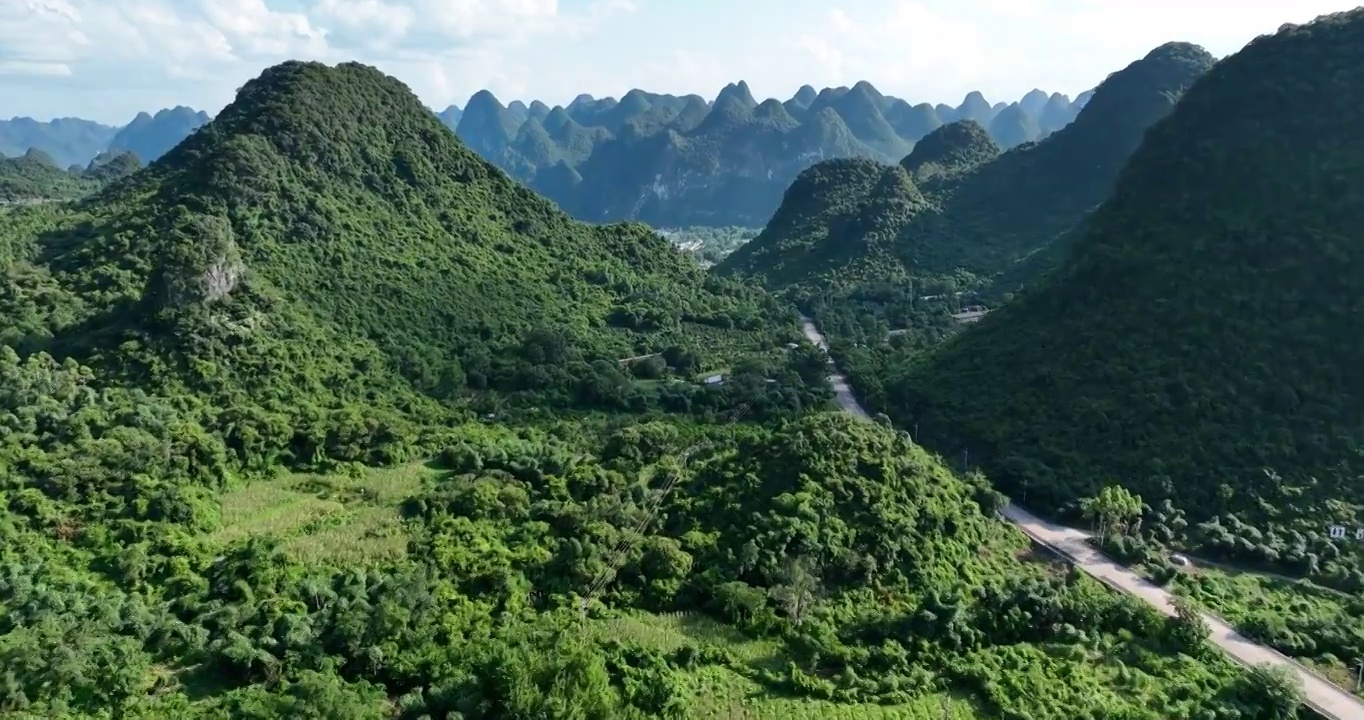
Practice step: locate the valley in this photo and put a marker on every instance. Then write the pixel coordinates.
(329, 405)
(1322, 695)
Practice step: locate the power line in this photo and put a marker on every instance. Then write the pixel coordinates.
(626, 542)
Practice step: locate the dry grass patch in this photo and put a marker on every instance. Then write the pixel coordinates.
(339, 518)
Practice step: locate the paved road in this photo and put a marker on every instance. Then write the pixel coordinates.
(1326, 698)
(842, 390)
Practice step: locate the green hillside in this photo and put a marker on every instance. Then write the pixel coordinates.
(112, 165)
(35, 176)
(822, 224)
(824, 568)
(1029, 197)
(1201, 345)
(950, 151)
(377, 261)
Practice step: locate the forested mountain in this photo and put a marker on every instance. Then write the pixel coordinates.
(679, 161)
(983, 209)
(250, 230)
(68, 141)
(321, 415)
(35, 176)
(112, 165)
(1201, 345)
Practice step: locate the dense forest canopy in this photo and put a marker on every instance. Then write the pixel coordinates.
(1201, 344)
(824, 222)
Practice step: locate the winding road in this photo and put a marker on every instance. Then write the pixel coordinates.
(1321, 695)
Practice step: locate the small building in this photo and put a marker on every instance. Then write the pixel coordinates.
(970, 315)
(713, 380)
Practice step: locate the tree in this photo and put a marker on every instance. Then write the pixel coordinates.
(799, 589)
(681, 359)
(1269, 692)
(1114, 507)
(748, 556)
(810, 363)
(649, 368)
(1187, 628)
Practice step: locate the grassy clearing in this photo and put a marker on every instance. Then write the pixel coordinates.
(722, 694)
(671, 631)
(726, 692)
(1316, 625)
(333, 518)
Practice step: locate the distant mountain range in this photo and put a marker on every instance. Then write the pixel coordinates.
(668, 160)
(685, 161)
(963, 202)
(75, 143)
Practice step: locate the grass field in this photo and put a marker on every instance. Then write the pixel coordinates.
(335, 518)
(722, 693)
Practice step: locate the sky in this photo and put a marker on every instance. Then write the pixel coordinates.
(107, 60)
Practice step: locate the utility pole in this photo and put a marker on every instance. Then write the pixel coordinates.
(966, 459)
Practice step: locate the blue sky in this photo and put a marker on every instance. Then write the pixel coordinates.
(108, 59)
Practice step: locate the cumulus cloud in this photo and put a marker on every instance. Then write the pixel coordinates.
(937, 50)
(896, 43)
(364, 22)
(491, 19)
(204, 49)
(24, 67)
(111, 58)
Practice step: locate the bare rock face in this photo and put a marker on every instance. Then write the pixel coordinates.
(206, 266)
(219, 279)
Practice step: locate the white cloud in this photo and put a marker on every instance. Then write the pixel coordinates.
(894, 44)
(37, 32)
(364, 21)
(493, 19)
(108, 59)
(24, 67)
(254, 30)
